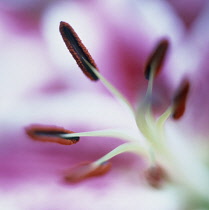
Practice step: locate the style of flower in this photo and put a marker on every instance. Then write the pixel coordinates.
(163, 166)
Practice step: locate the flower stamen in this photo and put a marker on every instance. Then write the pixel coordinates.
(116, 93)
(78, 50)
(180, 98)
(114, 133)
(86, 62)
(100, 166)
(86, 170)
(144, 117)
(155, 176)
(126, 147)
(155, 61)
(51, 134)
(162, 119)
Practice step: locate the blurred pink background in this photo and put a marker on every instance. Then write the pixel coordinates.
(41, 83)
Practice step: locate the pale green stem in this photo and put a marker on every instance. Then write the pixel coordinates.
(152, 157)
(150, 85)
(162, 119)
(144, 117)
(148, 99)
(103, 133)
(112, 89)
(127, 147)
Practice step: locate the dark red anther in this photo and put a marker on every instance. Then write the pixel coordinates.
(156, 59)
(78, 50)
(86, 170)
(180, 98)
(155, 176)
(50, 134)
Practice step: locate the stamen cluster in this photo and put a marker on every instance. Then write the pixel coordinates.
(151, 128)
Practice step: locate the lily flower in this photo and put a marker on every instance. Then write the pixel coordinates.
(163, 168)
(97, 143)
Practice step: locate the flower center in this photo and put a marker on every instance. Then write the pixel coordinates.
(144, 119)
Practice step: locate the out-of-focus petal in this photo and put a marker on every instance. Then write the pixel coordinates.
(188, 10)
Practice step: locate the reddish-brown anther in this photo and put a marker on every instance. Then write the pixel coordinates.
(78, 50)
(156, 59)
(50, 134)
(180, 98)
(155, 176)
(86, 170)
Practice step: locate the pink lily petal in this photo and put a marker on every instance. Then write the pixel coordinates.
(44, 85)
